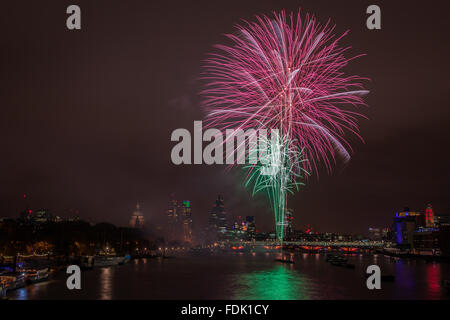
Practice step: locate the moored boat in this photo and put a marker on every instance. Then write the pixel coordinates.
(289, 258)
(342, 264)
(35, 276)
(13, 280)
(2, 292)
(107, 260)
(334, 258)
(126, 259)
(285, 261)
(87, 262)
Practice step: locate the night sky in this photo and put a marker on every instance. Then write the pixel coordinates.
(86, 116)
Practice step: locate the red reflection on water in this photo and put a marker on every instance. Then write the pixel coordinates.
(433, 279)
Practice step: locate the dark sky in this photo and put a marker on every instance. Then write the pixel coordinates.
(86, 116)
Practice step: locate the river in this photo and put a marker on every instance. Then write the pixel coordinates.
(248, 276)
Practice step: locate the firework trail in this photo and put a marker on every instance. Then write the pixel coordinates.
(285, 73)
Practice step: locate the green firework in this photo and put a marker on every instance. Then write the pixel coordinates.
(278, 172)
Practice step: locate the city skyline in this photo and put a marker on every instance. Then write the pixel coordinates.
(155, 220)
(183, 219)
(93, 133)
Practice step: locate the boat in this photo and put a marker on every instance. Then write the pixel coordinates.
(342, 264)
(87, 263)
(329, 257)
(107, 260)
(12, 281)
(284, 260)
(335, 258)
(35, 276)
(126, 259)
(2, 292)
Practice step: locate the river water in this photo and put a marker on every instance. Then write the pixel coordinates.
(248, 276)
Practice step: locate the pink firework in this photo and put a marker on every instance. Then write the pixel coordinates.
(286, 72)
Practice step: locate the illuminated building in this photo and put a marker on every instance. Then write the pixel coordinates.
(179, 220)
(137, 219)
(426, 240)
(174, 220)
(418, 217)
(37, 217)
(441, 220)
(41, 216)
(444, 239)
(405, 223)
(374, 234)
(186, 216)
(218, 218)
(424, 234)
(386, 234)
(243, 229)
(288, 223)
(238, 229)
(251, 226)
(429, 217)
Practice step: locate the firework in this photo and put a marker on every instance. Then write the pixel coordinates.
(286, 73)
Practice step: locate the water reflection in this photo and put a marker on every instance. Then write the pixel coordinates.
(279, 283)
(106, 286)
(406, 279)
(433, 279)
(22, 294)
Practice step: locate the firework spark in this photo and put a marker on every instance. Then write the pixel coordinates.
(285, 73)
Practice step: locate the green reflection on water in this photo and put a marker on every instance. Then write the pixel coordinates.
(279, 283)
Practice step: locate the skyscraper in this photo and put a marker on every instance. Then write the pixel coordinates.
(218, 218)
(173, 220)
(288, 223)
(429, 216)
(179, 220)
(186, 216)
(137, 218)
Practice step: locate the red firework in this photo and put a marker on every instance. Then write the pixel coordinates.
(284, 72)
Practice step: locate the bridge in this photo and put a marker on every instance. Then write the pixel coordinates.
(311, 244)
